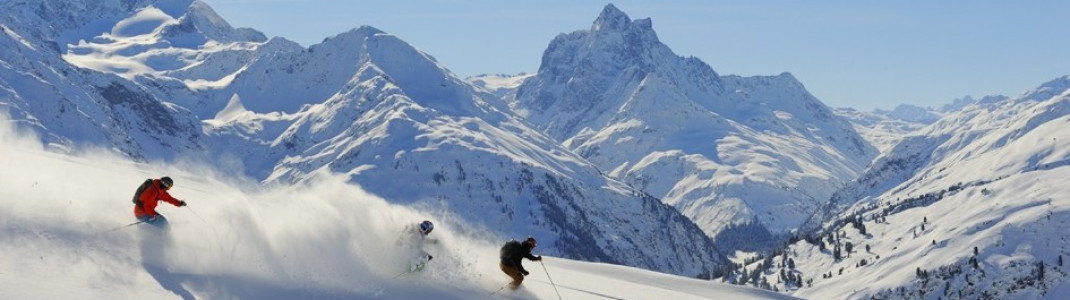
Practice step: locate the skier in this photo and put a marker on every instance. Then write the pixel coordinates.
(511, 254)
(147, 197)
(414, 237)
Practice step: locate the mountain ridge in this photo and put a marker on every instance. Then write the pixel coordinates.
(674, 127)
(363, 103)
(971, 206)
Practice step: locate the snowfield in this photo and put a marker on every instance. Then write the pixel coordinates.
(62, 233)
(973, 206)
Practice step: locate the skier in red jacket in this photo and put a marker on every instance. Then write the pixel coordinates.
(148, 196)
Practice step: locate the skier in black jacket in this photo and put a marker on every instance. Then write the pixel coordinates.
(512, 253)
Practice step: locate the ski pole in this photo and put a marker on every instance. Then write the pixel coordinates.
(214, 232)
(124, 226)
(205, 221)
(551, 279)
(198, 215)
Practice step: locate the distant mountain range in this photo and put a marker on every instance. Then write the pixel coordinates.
(170, 79)
(972, 206)
(617, 150)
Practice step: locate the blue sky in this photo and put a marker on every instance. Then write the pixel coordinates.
(860, 54)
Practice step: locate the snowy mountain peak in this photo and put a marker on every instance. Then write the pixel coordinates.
(190, 22)
(673, 127)
(1048, 89)
(914, 113)
(615, 27)
(233, 110)
(361, 32)
(280, 44)
(350, 45)
(957, 104)
(789, 80)
(992, 99)
(174, 8)
(200, 24)
(611, 18)
(418, 74)
(784, 81)
(600, 66)
(206, 13)
(355, 44)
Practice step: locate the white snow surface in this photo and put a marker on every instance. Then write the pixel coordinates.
(62, 233)
(991, 177)
(503, 87)
(141, 45)
(880, 129)
(497, 82)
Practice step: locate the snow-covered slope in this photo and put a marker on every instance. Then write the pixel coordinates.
(879, 128)
(70, 107)
(62, 236)
(52, 47)
(974, 207)
(195, 46)
(502, 86)
(169, 79)
(722, 149)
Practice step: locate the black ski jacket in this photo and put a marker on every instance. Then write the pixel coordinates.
(513, 252)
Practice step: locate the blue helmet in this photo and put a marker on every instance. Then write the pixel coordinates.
(426, 227)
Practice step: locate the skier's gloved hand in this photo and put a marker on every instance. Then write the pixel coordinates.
(538, 257)
(181, 203)
(525, 273)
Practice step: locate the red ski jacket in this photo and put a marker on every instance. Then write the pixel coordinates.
(150, 198)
